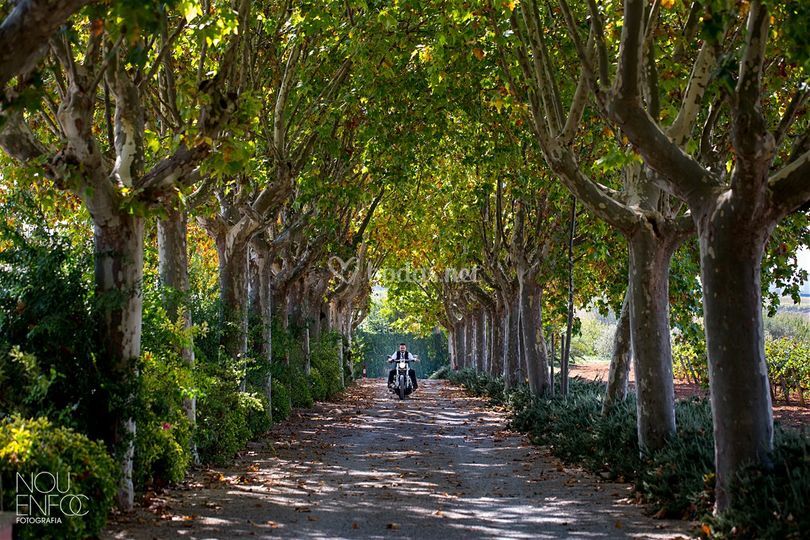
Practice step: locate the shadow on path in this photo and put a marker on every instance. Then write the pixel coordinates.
(437, 466)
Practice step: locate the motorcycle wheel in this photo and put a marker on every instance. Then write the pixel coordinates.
(401, 388)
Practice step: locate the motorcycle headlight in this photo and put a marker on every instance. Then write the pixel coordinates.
(403, 365)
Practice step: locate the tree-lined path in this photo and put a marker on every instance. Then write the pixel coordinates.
(217, 214)
(441, 465)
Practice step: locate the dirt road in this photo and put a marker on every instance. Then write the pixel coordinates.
(438, 466)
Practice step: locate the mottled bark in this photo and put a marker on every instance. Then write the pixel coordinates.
(496, 340)
(618, 375)
(25, 32)
(469, 339)
(496, 358)
(481, 340)
(534, 343)
(451, 347)
(118, 239)
(459, 335)
(512, 354)
(731, 256)
(233, 279)
(649, 282)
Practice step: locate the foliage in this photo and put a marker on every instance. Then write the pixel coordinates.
(789, 364)
(281, 401)
(594, 339)
(689, 360)
(222, 416)
(47, 340)
(31, 446)
(325, 373)
(164, 435)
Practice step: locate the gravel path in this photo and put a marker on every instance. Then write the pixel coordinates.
(437, 466)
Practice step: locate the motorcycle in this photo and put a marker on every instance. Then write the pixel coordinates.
(402, 382)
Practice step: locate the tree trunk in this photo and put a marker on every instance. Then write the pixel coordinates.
(119, 248)
(618, 375)
(460, 328)
(649, 327)
(551, 362)
(173, 270)
(506, 358)
(233, 277)
(481, 340)
(496, 359)
(563, 365)
(731, 249)
(469, 339)
(512, 356)
(451, 349)
(261, 300)
(534, 344)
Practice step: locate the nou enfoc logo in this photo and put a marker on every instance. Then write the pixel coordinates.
(44, 497)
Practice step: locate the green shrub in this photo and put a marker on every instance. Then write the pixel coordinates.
(300, 394)
(164, 436)
(222, 426)
(594, 339)
(679, 478)
(689, 360)
(32, 446)
(47, 326)
(159, 457)
(256, 410)
(788, 364)
(318, 385)
(281, 401)
(326, 360)
(163, 439)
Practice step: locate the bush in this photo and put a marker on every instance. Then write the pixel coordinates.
(159, 456)
(788, 365)
(594, 339)
(164, 436)
(47, 339)
(689, 360)
(679, 479)
(32, 446)
(257, 412)
(326, 360)
(222, 425)
(281, 401)
(318, 385)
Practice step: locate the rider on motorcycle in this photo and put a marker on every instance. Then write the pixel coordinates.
(401, 353)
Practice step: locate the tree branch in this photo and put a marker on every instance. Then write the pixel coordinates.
(25, 32)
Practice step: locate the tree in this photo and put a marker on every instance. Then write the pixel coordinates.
(103, 160)
(735, 203)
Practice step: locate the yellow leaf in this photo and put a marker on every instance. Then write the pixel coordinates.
(478, 53)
